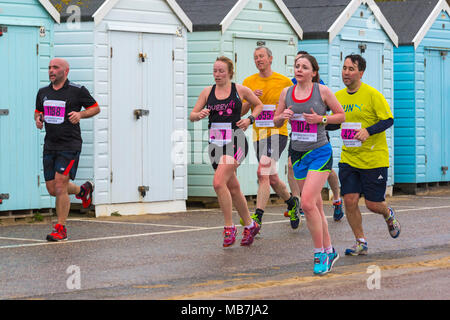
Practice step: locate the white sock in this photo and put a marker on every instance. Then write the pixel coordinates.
(251, 225)
(318, 250)
(337, 201)
(329, 249)
(362, 240)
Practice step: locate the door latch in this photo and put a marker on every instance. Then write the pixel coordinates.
(4, 112)
(142, 56)
(3, 196)
(138, 113)
(444, 169)
(362, 47)
(143, 190)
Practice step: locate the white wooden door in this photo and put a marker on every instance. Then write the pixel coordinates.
(141, 117)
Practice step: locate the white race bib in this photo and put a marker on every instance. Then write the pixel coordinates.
(220, 133)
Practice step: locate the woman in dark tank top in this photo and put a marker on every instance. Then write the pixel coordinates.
(305, 106)
(228, 145)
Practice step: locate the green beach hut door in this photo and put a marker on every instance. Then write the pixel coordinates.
(244, 67)
(437, 113)
(19, 138)
(141, 117)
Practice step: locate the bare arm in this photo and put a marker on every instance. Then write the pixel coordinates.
(198, 112)
(331, 101)
(282, 113)
(247, 94)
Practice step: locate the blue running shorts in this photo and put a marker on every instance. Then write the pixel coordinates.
(320, 160)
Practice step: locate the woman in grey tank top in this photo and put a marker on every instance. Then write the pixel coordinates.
(305, 106)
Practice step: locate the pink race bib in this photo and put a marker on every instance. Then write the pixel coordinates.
(54, 111)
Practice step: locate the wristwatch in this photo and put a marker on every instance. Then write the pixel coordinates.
(252, 119)
(324, 120)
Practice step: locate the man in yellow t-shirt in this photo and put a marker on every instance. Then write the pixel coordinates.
(363, 168)
(268, 140)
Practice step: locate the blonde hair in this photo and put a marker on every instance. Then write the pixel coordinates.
(229, 63)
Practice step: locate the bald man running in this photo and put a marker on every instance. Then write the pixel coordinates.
(58, 106)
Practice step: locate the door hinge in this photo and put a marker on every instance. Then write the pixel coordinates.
(37, 49)
(39, 180)
(235, 58)
(382, 59)
(444, 169)
(425, 62)
(173, 174)
(173, 55)
(111, 52)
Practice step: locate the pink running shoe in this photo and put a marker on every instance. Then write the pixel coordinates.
(229, 236)
(249, 234)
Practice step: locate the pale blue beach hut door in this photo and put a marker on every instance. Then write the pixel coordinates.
(19, 138)
(372, 52)
(437, 114)
(141, 117)
(244, 67)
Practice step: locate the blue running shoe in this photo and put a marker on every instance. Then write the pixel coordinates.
(320, 263)
(338, 211)
(360, 248)
(393, 225)
(332, 258)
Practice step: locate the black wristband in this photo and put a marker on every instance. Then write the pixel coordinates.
(252, 119)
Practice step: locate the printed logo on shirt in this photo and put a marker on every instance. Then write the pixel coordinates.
(350, 107)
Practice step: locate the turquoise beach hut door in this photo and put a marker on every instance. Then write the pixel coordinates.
(437, 113)
(19, 137)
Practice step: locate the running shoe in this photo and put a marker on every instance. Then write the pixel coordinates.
(249, 234)
(338, 211)
(86, 194)
(359, 248)
(393, 225)
(229, 236)
(294, 215)
(59, 233)
(300, 211)
(257, 217)
(332, 258)
(320, 263)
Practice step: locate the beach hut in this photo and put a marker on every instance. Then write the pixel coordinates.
(26, 46)
(131, 55)
(421, 92)
(335, 28)
(233, 28)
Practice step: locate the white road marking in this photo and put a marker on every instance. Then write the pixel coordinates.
(191, 229)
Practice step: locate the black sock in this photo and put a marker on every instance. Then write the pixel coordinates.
(259, 211)
(290, 202)
(81, 193)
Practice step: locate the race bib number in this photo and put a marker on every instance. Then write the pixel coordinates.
(265, 118)
(302, 130)
(54, 111)
(348, 132)
(220, 134)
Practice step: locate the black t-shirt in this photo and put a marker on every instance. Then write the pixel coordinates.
(55, 105)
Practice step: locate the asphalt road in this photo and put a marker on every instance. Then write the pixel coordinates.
(180, 256)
